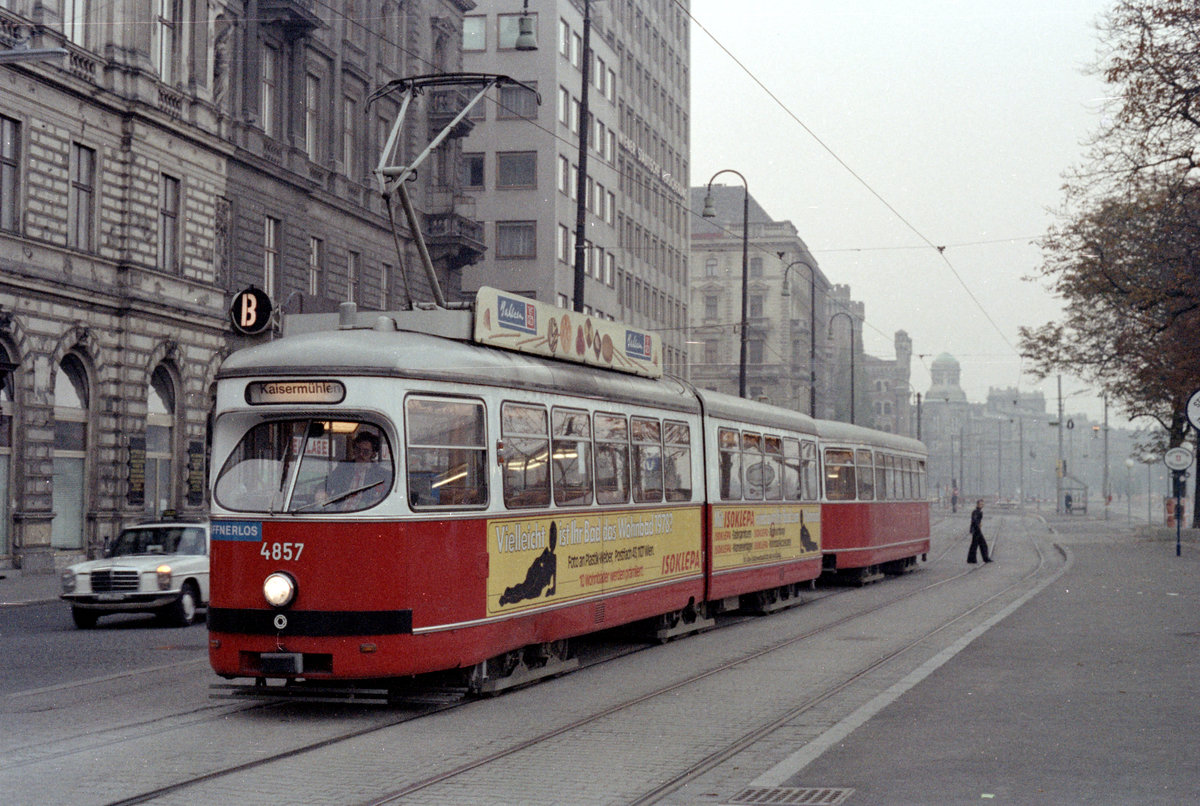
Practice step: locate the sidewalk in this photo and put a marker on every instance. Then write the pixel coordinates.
(1087, 693)
(18, 588)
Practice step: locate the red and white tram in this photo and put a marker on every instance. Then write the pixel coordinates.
(388, 502)
(875, 518)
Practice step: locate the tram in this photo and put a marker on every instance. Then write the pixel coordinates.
(470, 491)
(875, 514)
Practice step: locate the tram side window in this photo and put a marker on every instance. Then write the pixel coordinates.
(812, 476)
(772, 468)
(447, 452)
(525, 434)
(891, 475)
(839, 474)
(677, 461)
(730, 464)
(908, 479)
(881, 486)
(920, 480)
(612, 459)
(647, 460)
(753, 470)
(866, 476)
(793, 478)
(572, 467)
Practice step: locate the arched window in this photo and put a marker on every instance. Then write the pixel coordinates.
(70, 451)
(160, 422)
(6, 446)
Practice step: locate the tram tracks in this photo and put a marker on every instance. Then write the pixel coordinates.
(748, 738)
(381, 721)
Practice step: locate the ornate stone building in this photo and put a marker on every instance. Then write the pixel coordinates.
(148, 174)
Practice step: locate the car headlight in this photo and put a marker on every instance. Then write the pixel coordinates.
(68, 582)
(279, 589)
(164, 577)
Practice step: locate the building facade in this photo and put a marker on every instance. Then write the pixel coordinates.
(1008, 447)
(780, 335)
(153, 171)
(522, 160)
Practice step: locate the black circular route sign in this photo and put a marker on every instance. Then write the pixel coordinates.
(250, 313)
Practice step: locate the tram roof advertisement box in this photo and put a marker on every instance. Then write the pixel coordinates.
(516, 323)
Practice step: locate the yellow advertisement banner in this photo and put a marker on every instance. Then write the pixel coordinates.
(539, 561)
(757, 534)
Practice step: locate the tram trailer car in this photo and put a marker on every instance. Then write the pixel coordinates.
(512, 503)
(875, 516)
(763, 510)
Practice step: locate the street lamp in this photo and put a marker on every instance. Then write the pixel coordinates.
(918, 394)
(708, 212)
(526, 36)
(812, 326)
(849, 319)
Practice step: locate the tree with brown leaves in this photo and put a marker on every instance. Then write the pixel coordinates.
(1125, 257)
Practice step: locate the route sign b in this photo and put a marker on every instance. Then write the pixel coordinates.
(250, 313)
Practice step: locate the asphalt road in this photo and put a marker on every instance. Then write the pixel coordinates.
(41, 648)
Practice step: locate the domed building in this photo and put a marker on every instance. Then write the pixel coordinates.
(946, 373)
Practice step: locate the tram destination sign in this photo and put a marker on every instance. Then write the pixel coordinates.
(516, 323)
(265, 393)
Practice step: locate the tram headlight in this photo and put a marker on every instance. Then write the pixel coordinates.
(279, 589)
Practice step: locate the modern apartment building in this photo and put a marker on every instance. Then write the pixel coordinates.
(522, 161)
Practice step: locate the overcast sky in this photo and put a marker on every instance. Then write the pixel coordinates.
(962, 115)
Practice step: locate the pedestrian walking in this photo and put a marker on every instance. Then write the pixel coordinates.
(978, 544)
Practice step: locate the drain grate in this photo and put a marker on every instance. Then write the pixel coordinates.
(790, 795)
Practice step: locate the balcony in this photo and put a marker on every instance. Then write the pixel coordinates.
(297, 17)
(444, 104)
(453, 238)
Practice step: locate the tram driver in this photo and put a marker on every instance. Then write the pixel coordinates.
(360, 482)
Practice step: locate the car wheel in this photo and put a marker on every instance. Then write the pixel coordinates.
(183, 612)
(84, 619)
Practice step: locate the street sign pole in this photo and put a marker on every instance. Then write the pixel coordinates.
(1178, 460)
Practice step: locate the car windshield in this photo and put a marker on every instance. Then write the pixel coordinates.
(159, 540)
(307, 466)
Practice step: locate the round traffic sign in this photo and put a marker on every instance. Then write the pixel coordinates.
(1178, 458)
(250, 313)
(1193, 409)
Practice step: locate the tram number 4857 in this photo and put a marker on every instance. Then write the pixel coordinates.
(281, 551)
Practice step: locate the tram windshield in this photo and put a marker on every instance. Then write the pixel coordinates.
(307, 466)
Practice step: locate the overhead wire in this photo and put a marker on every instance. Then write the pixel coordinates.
(941, 250)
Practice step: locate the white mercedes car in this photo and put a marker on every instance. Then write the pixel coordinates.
(159, 568)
